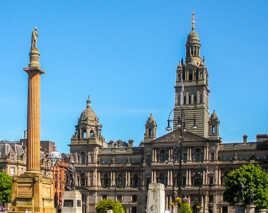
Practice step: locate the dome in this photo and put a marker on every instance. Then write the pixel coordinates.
(192, 36)
(88, 114)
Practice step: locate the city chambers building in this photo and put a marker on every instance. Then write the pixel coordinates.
(191, 160)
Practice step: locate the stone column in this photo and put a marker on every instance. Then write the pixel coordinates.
(190, 153)
(33, 112)
(190, 177)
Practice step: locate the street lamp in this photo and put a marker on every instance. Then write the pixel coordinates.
(181, 120)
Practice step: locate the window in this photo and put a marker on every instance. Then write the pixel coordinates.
(68, 203)
(134, 198)
(190, 76)
(198, 155)
(83, 158)
(119, 198)
(190, 99)
(12, 171)
(104, 197)
(135, 181)
(91, 133)
(150, 132)
(163, 156)
(84, 135)
(224, 209)
(211, 180)
(197, 178)
(212, 157)
(105, 180)
(120, 180)
(78, 203)
(210, 199)
(195, 99)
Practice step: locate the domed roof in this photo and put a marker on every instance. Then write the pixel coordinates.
(192, 36)
(88, 114)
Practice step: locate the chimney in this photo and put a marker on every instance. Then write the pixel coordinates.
(130, 142)
(262, 137)
(245, 138)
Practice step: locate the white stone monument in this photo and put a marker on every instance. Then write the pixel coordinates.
(72, 202)
(156, 198)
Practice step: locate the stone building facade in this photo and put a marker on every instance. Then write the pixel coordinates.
(190, 161)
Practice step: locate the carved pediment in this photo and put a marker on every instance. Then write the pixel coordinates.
(175, 135)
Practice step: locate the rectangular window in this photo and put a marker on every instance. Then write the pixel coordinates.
(104, 197)
(212, 156)
(119, 198)
(78, 203)
(134, 198)
(68, 203)
(210, 199)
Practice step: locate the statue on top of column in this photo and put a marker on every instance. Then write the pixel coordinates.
(34, 39)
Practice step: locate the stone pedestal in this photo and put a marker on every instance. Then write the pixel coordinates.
(72, 202)
(33, 193)
(156, 198)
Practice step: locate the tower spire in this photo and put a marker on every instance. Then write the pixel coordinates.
(193, 20)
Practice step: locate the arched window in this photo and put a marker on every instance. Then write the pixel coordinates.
(120, 181)
(91, 133)
(150, 132)
(84, 134)
(135, 181)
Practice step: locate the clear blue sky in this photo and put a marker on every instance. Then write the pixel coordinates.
(124, 55)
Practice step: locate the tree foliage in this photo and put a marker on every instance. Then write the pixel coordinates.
(185, 208)
(245, 184)
(105, 205)
(5, 188)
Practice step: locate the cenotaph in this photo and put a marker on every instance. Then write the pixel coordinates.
(31, 191)
(156, 198)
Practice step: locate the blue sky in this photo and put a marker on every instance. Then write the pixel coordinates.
(124, 55)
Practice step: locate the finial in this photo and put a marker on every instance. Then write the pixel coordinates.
(88, 102)
(193, 20)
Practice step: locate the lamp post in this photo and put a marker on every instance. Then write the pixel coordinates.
(182, 127)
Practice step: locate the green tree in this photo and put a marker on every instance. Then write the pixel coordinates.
(105, 205)
(245, 184)
(5, 188)
(185, 208)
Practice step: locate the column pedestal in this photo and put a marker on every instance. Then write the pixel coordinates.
(32, 192)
